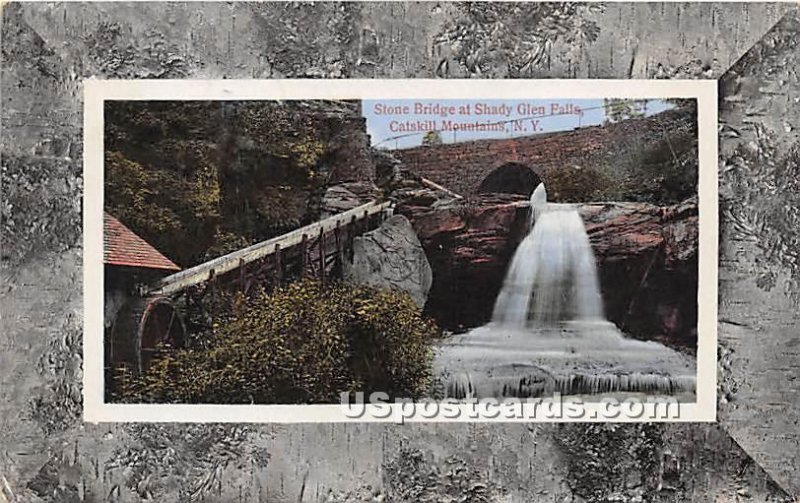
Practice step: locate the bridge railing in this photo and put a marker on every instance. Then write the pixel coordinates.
(208, 270)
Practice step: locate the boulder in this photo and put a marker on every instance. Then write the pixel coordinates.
(391, 256)
(469, 244)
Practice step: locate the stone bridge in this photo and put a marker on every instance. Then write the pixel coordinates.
(518, 164)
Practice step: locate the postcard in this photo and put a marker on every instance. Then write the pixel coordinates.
(399, 251)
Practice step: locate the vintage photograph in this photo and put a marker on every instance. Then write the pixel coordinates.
(225, 227)
(290, 251)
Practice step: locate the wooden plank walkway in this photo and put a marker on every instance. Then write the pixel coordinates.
(206, 271)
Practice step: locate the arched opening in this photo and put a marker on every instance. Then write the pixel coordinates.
(511, 178)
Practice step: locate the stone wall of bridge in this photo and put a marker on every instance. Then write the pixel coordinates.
(464, 167)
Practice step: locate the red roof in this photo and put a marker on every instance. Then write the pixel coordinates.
(122, 247)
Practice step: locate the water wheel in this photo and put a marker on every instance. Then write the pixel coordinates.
(142, 327)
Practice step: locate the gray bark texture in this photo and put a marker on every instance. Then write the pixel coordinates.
(48, 454)
(759, 310)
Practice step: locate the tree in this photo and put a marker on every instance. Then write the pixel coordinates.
(432, 138)
(199, 179)
(618, 109)
(687, 104)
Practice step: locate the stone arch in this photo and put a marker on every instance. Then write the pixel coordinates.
(143, 325)
(510, 178)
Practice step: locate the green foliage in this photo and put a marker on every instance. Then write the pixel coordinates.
(176, 214)
(279, 131)
(432, 138)
(225, 242)
(618, 109)
(663, 170)
(185, 174)
(581, 184)
(687, 104)
(304, 343)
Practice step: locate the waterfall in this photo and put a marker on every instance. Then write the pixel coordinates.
(553, 274)
(548, 333)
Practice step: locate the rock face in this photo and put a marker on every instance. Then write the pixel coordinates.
(391, 256)
(646, 255)
(647, 258)
(469, 245)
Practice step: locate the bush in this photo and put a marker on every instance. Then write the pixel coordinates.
(304, 343)
(180, 174)
(178, 215)
(665, 172)
(580, 184)
(662, 173)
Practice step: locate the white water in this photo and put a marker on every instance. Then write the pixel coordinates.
(553, 274)
(548, 333)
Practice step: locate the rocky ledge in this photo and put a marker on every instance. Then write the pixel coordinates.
(646, 254)
(468, 244)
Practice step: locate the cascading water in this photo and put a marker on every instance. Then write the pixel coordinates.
(548, 333)
(553, 276)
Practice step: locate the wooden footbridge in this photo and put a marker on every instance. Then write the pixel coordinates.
(318, 251)
(308, 251)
